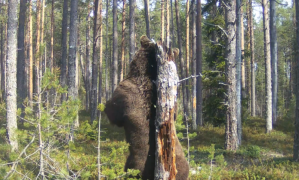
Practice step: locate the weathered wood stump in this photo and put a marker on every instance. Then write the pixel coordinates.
(167, 81)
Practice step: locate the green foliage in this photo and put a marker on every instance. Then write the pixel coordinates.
(101, 107)
(251, 151)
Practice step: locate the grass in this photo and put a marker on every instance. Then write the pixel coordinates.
(261, 155)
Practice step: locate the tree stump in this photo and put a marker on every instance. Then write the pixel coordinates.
(167, 81)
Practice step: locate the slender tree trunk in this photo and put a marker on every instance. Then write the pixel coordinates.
(132, 29)
(88, 64)
(194, 123)
(95, 57)
(182, 66)
(42, 63)
(239, 72)
(37, 88)
(296, 136)
(100, 45)
(107, 54)
(64, 48)
(187, 51)
(11, 75)
(147, 18)
(231, 134)
(21, 73)
(30, 49)
(72, 64)
(273, 48)
(167, 24)
(199, 120)
(252, 59)
(52, 38)
(123, 41)
(172, 26)
(267, 67)
(2, 61)
(165, 166)
(115, 46)
(162, 20)
(243, 57)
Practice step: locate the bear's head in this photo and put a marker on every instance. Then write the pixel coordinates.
(144, 62)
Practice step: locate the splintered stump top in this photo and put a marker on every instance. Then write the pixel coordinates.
(167, 81)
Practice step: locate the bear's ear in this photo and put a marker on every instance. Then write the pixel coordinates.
(176, 52)
(144, 41)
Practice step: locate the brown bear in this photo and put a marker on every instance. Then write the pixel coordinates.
(132, 106)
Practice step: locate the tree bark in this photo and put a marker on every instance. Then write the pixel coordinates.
(231, 134)
(132, 29)
(194, 123)
(252, 59)
(94, 80)
(243, 57)
(172, 26)
(162, 20)
(239, 70)
(267, 67)
(115, 47)
(187, 50)
(273, 48)
(37, 87)
(64, 48)
(72, 63)
(182, 64)
(123, 42)
(100, 46)
(147, 19)
(51, 64)
(30, 50)
(88, 66)
(42, 63)
(21, 72)
(167, 24)
(107, 54)
(2, 61)
(296, 136)
(165, 166)
(199, 120)
(11, 75)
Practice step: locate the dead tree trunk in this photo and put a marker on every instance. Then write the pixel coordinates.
(167, 81)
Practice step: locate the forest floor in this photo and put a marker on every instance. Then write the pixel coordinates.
(261, 155)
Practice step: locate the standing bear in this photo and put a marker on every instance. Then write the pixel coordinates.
(132, 106)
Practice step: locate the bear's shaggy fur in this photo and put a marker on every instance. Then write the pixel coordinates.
(132, 107)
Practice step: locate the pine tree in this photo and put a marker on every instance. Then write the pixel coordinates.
(231, 134)
(267, 66)
(11, 75)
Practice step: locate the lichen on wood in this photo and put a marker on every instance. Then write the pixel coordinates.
(167, 81)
